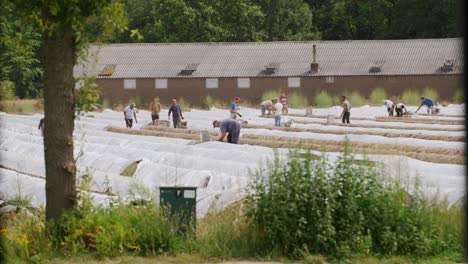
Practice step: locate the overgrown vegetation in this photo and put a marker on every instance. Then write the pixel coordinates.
(431, 93)
(459, 96)
(297, 100)
(323, 99)
(29, 106)
(341, 208)
(304, 208)
(411, 97)
(209, 101)
(7, 90)
(377, 96)
(270, 95)
(356, 99)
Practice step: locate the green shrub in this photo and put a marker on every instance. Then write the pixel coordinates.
(210, 101)
(7, 90)
(323, 99)
(270, 95)
(340, 208)
(297, 100)
(411, 97)
(459, 96)
(138, 101)
(184, 105)
(431, 93)
(356, 100)
(378, 95)
(105, 104)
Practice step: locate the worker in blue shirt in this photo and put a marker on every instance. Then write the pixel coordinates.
(427, 102)
(234, 107)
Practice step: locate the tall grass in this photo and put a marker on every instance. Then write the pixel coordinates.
(209, 101)
(270, 95)
(411, 97)
(356, 99)
(25, 106)
(431, 93)
(323, 99)
(377, 96)
(296, 100)
(302, 207)
(342, 208)
(459, 96)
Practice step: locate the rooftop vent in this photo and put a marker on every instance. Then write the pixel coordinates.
(376, 67)
(271, 68)
(314, 67)
(189, 69)
(108, 70)
(448, 66)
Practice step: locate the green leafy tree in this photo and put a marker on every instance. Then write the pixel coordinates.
(63, 25)
(20, 44)
(287, 20)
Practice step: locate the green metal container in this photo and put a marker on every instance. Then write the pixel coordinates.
(179, 206)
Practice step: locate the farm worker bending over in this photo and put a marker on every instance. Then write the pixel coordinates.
(346, 107)
(400, 110)
(41, 125)
(230, 127)
(278, 107)
(234, 107)
(284, 102)
(390, 107)
(427, 102)
(155, 108)
(176, 113)
(266, 105)
(130, 112)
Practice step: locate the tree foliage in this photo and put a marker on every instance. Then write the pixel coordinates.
(163, 21)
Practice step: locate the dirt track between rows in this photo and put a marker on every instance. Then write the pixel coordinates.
(430, 154)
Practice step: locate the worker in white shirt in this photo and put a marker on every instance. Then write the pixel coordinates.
(390, 106)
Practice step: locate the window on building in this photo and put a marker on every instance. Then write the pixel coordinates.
(212, 83)
(130, 84)
(329, 79)
(294, 82)
(160, 83)
(243, 83)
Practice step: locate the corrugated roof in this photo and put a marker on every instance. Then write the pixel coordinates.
(248, 59)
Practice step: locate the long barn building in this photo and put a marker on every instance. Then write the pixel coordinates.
(224, 70)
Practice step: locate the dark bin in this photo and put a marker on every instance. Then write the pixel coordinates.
(178, 204)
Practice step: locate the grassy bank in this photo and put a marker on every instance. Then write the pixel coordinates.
(22, 107)
(304, 209)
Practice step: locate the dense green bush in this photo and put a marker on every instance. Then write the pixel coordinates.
(342, 208)
(297, 100)
(356, 99)
(378, 95)
(209, 101)
(459, 96)
(7, 90)
(270, 95)
(323, 99)
(411, 97)
(431, 93)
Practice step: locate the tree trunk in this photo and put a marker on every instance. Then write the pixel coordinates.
(58, 130)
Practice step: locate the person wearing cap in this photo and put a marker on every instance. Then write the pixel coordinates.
(390, 106)
(130, 112)
(428, 102)
(266, 105)
(234, 107)
(155, 108)
(229, 127)
(176, 113)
